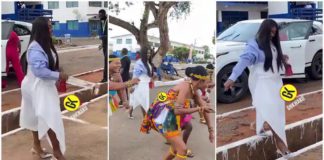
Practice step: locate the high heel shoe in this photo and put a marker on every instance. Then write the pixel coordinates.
(43, 155)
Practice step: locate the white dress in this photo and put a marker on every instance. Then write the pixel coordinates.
(265, 90)
(40, 108)
(141, 93)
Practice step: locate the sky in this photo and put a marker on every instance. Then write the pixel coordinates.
(198, 26)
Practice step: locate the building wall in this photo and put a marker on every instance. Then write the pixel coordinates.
(7, 7)
(236, 11)
(8, 10)
(133, 47)
(277, 8)
(82, 13)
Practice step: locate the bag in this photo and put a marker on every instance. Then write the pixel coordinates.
(288, 70)
(61, 86)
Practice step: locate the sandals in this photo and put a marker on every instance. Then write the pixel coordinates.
(41, 155)
(189, 153)
(203, 121)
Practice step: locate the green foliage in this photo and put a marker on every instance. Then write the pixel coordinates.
(181, 53)
(180, 9)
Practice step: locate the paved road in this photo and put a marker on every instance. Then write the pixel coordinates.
(127, 143)
(302, 87)
(313, 154)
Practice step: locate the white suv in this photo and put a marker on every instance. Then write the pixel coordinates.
(23, 30)
(301, 40)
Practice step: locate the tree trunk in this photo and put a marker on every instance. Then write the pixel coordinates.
(164, 32)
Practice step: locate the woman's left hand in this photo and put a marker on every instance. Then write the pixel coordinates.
(285, 58)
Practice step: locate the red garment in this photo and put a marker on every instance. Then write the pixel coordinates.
(12, 55)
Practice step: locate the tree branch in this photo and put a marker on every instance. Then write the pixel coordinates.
(123, 24)
(154, 10)
(154, 24)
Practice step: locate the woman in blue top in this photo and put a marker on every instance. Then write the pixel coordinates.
(140, 95)
(266, 59)
(40, 108)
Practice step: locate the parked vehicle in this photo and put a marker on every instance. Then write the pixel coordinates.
(301, 40)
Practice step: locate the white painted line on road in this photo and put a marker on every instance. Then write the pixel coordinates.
(303, 150)
(79, 49)
(10, 110)
(252, 107)
(99, 98)
(83, 73)
(75, 120)
(11, 132)
(9, 91)
(235, 111)
(267, 133)
(79, 82)
(82, 122)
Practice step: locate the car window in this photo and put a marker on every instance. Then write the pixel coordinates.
(240, 32)
(6, 30)
(21, 30)
(294, 31)
(316, 30)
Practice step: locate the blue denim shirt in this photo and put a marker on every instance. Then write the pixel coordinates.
(38, 61)
(251, 55)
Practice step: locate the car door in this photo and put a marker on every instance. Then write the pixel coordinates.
(24, 36)
(5, 33)
(314, 43)
(294, 44)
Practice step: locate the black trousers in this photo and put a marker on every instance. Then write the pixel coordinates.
(105, 73)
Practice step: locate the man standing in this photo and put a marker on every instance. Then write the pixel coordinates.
(125, 62)
(104, 39)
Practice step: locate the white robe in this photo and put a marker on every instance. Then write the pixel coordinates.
(40, 107)
(265, 90)
(141, 94)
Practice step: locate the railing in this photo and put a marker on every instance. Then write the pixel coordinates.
(307, 13)
(29, 15)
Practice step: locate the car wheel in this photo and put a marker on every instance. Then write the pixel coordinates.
(240, 87)
(316, 67)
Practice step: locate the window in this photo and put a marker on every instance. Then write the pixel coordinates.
(128, 41)
(316, 30)
(95, 4)
(56, 25)
(294, 31)
(21, 30)
(71, 4)
(119, 41)
(6, 29)
(53, 5)
(72, 25)
(106, 4)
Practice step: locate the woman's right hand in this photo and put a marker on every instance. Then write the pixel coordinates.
(228, 84)
(63, 76)
(135, 81)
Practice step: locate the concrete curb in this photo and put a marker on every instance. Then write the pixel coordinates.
(300, 135)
